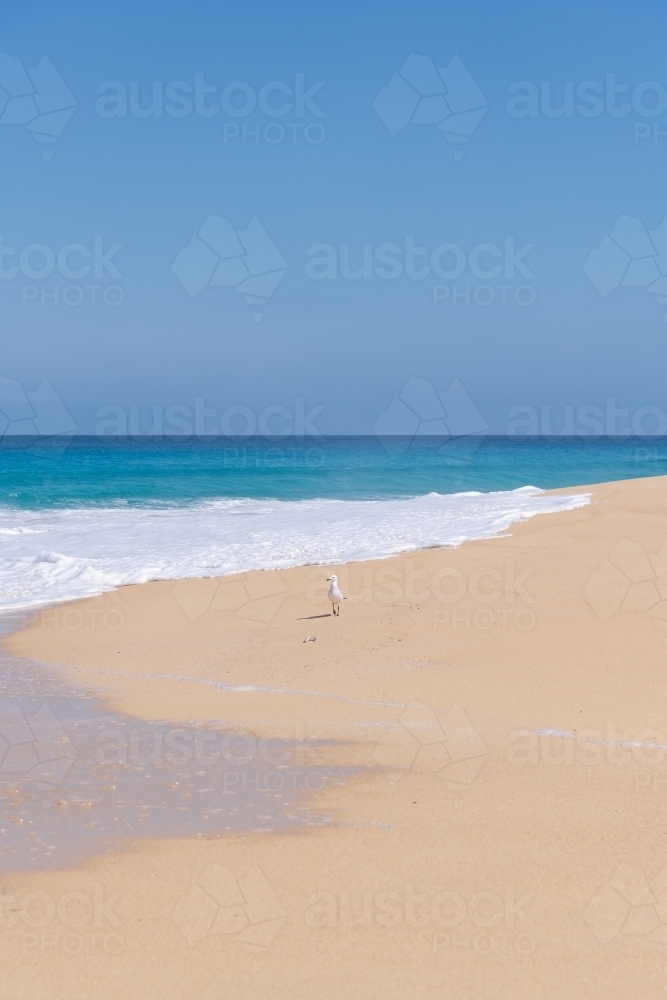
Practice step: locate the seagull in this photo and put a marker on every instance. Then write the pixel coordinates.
(334, 594)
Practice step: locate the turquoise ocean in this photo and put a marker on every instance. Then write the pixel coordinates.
(79, 516)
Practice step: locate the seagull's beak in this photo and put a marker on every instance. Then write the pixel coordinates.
(329, 579)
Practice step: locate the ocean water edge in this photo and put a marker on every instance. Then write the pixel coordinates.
(79, 516)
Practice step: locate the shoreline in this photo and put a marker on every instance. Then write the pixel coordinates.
(251, 603)
(60, 555)
(469, 846)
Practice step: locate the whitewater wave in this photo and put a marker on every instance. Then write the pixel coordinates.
(82, 552)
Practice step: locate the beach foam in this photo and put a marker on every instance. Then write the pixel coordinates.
(61, 554)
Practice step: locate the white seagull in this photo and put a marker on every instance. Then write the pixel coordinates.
(334, 594)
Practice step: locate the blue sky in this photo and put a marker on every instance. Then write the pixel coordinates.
(329, 172)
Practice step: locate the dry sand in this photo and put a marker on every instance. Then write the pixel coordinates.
(471, 856)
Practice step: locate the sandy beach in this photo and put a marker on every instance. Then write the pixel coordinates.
(496, 718)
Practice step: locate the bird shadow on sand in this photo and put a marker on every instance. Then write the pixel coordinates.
(309, 617)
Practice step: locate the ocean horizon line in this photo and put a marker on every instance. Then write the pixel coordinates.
(210, 437)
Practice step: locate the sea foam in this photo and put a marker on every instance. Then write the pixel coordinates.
(59, 554)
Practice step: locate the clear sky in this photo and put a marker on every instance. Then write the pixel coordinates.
(469, 254)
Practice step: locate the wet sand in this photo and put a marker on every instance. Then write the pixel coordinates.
(473, 761)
